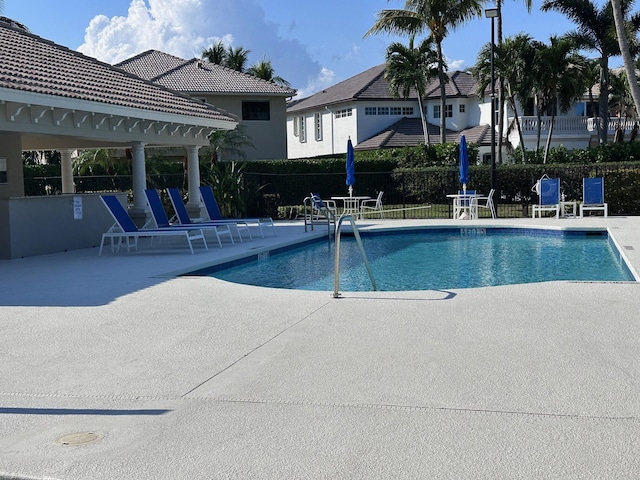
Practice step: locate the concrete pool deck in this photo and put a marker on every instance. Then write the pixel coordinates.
(195, 378)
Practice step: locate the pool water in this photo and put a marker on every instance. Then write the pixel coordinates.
(421, 260)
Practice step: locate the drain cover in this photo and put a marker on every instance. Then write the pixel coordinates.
(79, 438)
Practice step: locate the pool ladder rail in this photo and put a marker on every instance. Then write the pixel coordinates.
(336, 262)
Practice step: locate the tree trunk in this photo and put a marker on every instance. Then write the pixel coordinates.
(546, 147)
(604, 99)
(512, 102)
(626, 54)
(443, 94)
(592, 103)
(423, 119)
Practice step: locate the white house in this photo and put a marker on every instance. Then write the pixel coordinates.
(361, 108)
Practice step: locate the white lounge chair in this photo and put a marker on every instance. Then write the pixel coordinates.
(372, 206)
(125, 231)
(593, 196)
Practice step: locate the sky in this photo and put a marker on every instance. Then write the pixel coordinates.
(311, 44)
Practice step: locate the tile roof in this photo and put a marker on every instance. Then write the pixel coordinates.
(407, 132)
(371, 85)
(32, 64)
(198, 76)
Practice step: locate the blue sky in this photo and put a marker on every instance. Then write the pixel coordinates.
(311, 44)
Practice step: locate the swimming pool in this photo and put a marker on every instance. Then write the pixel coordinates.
(430, 259)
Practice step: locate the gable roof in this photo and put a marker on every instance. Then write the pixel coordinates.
(198, 76)
(371, 85)
(407, 132)
(30, 64)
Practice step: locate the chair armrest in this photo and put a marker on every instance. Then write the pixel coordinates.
(368, 203)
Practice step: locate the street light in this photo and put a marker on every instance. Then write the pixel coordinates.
(493, 13)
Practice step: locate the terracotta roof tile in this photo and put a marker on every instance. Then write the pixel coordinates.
(407, 132)
(32, 64)
(371, 85)
(197, 76)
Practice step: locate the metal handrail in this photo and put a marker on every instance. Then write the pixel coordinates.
(336, 263)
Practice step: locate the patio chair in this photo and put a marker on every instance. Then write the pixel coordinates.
(183, 218)
(593, 196)
(372, 206)
(161, 219)
(125, 231)
(323, 209)
(549, 197)
(211, 205)
(483, 202)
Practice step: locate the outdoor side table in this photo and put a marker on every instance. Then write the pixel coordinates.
(569, 209)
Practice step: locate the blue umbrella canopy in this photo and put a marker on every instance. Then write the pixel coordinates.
(351, 167)
(464, 162)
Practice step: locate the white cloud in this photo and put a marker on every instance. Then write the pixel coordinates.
(325, 79)
(454, 65)
(185, 27)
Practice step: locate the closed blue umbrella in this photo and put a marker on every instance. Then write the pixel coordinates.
(351, 167)
(464, 163)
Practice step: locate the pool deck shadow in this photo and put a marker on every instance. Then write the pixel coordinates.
(196, 378)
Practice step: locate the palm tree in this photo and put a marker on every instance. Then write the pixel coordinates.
(229, 143)
(410, 69)
(237, 58)
(215, 54)
(595, 31)
(528, 4)
(513, 62)
(625, 51)
(264, 70)
(558, 81)
(436, 16)
(620, 99)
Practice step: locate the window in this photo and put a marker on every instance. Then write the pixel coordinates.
(256, 111)
(383, 110)
(448, 111)
(343, 113)
(581, 109)
(303, 130)
(395, 111)
(461, 108)
(318, 122)
(370, 110)
(407, 110)
(3, 170)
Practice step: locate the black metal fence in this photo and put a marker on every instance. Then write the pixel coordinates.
(408, 194)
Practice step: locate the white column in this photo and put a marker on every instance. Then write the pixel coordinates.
(66, 171)
(193, 174)
(139, 177)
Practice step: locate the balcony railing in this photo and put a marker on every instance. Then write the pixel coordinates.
(571, 125)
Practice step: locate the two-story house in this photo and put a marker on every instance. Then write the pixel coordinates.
(363, 109)
(258, 104)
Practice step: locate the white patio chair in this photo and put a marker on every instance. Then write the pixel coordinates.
(483, 202)
(372, 206)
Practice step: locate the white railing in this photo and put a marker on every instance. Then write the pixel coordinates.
(575, 125)
(529, 124)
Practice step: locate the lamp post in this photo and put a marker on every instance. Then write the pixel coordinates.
(493, 13)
